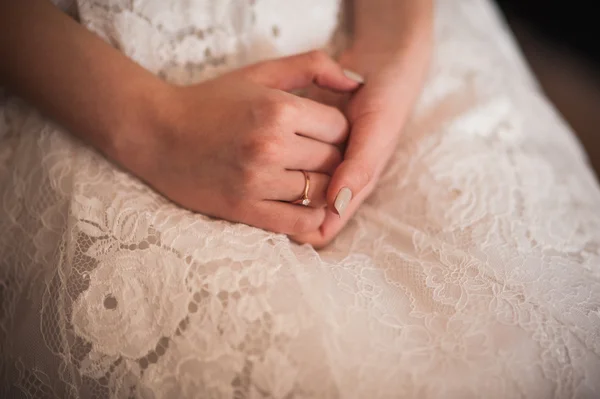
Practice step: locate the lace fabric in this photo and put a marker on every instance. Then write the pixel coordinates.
(473, 270)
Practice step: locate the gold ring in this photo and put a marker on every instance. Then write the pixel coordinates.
(305, 200)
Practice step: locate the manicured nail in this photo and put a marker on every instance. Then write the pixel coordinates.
(342, 200)
(354, 76)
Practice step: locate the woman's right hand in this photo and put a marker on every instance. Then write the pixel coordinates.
(234, 147)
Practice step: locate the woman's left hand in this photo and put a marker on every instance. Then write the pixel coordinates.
(377, 112)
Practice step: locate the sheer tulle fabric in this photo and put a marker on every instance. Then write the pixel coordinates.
(473, 270)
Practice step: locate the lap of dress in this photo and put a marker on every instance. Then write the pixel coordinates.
(473, 269)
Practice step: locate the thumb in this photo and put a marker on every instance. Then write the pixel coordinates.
(302, 70)
(367, 152)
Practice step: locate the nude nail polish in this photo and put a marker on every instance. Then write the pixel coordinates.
(354, 76)
(342, 200)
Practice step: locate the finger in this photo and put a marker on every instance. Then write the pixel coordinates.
(368, 148)
(327, 97)
(290, 188)
(285, 218)
(299, 71)
(313, 156)
(319, 238)
(332, 224)
(320, 122)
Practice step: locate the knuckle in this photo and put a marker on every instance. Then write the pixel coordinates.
(250, 178)
(272, 111)
(301, 224)
(318, 57)
(262, 108)
(282, 112)
(249, 151)
(271, 152)
(263, 149)
(307, 222)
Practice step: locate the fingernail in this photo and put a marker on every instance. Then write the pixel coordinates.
(342, 200)
(354, 76)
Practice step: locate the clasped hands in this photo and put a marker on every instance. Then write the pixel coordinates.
(235, 147)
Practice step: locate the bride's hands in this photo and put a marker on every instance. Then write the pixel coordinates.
(234, 147)
(377, 113)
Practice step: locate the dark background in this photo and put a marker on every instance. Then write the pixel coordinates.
(560, 41)
(572, 24)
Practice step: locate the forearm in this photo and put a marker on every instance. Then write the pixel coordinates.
(392, 43)
(73, 76)
(387, 25)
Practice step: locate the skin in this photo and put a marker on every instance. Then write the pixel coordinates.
(231, 147)
(391, 49)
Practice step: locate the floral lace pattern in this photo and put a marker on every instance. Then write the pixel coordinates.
(473, 269)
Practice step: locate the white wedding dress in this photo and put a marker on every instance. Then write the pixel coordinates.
(472, 271)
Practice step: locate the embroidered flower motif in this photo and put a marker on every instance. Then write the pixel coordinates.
(455, 277)
(133, 300)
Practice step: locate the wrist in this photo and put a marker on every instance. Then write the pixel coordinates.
(393, 58)
(133, 132)
(393, 34)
